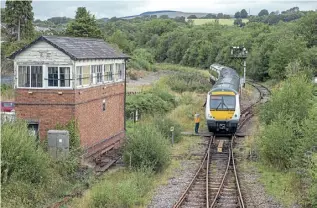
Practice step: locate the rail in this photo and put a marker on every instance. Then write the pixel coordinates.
(183, 196)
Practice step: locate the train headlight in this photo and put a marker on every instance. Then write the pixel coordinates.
(235, 115)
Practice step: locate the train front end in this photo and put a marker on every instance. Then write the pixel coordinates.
(222, 111)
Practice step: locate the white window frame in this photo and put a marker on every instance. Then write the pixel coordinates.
(30, 65)
(77, 76)
(118, 77)
(94, 70)
(82, 72)
(111, 71)
(18, 79)
(58, 71)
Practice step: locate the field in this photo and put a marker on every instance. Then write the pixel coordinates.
(221, 21)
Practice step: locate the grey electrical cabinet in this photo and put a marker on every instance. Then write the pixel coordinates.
(58, 143)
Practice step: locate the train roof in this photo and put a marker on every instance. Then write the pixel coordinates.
(228, 79)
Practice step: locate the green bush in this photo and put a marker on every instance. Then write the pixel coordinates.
(123, 193)
(7, 92)
(292, 99)
(188, 81)
(69, 166)
(21, 159)
(151, 102)
(142, 59)
(164, 125)
(278, 142)
(29, 177)
(147, 148)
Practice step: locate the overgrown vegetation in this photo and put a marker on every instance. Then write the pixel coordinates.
(164, 126)
(188, 81)
(155, 101)
(146, 147)
(288, 139)
(128, 191)
(7, 92)
(29, 177)
(71, 164)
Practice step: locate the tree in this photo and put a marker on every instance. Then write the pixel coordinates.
(237, 15)
(226, 16)
(84, 25)
(180, 19)
(307, 27)
(192, 17)
(164, 16)
(19, 19)
(59, 20)
(239, 22)
(121, 39)
(286, 50)
(210, 16)
(263, 12)
(244, 13)
(220, 15)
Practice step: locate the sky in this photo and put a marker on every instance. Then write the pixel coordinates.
(44, 9)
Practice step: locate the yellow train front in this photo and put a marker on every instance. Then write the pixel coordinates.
(223, 102)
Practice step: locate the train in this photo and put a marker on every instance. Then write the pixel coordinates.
(223, 101)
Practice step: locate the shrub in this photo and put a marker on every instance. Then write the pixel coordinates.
(142, 59)
(124, 193)
(69, 166)
(28, 176)
(21, 159)
(188, 81)
(164, 125)
(278, 143)
(151, 102)
(292, 99)
(7, 92)
(289, 124)
(147, 147)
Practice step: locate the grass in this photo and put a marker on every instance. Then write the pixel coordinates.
(281, 185)
(228, 22)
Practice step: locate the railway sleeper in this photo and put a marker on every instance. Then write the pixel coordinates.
(226, 205)
(201, 188)
(194, 204)
(198, 197)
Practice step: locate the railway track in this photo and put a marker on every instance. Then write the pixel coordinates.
(216, 182)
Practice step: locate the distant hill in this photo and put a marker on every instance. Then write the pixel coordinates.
(169, 13)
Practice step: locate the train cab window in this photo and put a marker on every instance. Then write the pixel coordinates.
(222, 102)
(215, 102)
(229, 102)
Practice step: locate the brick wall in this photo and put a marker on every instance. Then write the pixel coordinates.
(97, 128)
(46, 107)
(96, 125)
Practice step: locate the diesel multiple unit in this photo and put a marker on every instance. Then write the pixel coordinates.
(223, 102)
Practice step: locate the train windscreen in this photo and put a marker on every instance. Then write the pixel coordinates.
(222, 102)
